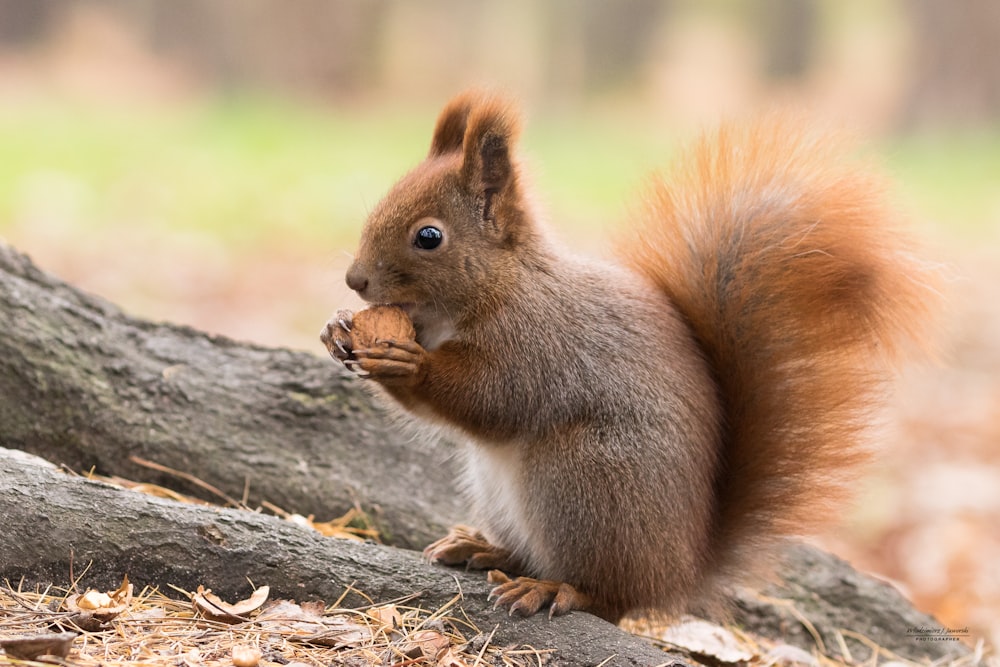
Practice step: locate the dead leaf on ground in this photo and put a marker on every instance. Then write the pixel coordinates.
(56, 644)
(387, 616)
(306, 623)
(786, 654)
(425, 643)
(451, 658)
(214, 608)
(354, 525)
(702, 638)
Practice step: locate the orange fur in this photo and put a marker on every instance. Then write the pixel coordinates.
(789, 266)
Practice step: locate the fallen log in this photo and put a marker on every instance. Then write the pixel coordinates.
(51, 519)
(85, 385)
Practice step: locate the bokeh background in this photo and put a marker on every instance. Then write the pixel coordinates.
(211, 163)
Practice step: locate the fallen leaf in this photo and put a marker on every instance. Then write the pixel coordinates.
(55, 644)
(451, 659)
(424, 643)
(306, 623)
(388, 617)
(214, 608)
(354, 525)
(785, 654)
(707, 639)
(314, 608)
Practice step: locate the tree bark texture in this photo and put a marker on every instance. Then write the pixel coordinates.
(51, 517)
(822, 602)
(86, 386)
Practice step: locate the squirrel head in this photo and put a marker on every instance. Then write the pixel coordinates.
(446, 242)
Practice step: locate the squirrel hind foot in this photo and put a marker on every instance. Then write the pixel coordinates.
(467, 546)
(525, 596)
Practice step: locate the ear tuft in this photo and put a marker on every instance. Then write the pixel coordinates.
(449, 133)
(492, 128)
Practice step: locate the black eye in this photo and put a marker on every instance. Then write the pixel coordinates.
(428, 238)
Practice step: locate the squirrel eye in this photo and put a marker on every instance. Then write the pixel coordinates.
(428, 238)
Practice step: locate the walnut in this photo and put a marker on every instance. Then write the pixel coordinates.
(380, 323)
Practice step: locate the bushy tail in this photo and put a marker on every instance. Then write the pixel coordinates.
(786, 261)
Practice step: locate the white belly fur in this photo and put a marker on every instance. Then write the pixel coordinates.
(493, 485)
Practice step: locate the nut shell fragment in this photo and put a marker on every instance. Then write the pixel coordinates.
(101, 606)
(246, 656)
(214, 608)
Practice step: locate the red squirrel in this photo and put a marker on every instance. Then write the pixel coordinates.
(640, 434)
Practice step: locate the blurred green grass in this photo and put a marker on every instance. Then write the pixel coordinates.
(251, 170)
(246, 171)
(254, 172)
(950, 180)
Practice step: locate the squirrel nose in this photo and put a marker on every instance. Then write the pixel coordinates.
(356, 279)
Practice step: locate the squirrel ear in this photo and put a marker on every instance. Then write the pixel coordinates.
(449, 133)
(492, 128)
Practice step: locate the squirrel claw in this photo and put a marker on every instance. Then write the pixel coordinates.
(392, 363)
(525, 596)
(465, 545)
(355, 366)
(335, 336)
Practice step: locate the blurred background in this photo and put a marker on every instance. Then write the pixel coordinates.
(211, 163)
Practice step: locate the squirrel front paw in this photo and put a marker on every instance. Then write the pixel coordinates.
(467, 546)
(391, 362)
(336, 335)
(378, 343)
(524, 596)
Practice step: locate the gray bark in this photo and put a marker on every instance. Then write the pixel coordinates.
(85, 385)
(841, 604)
(50, 517)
